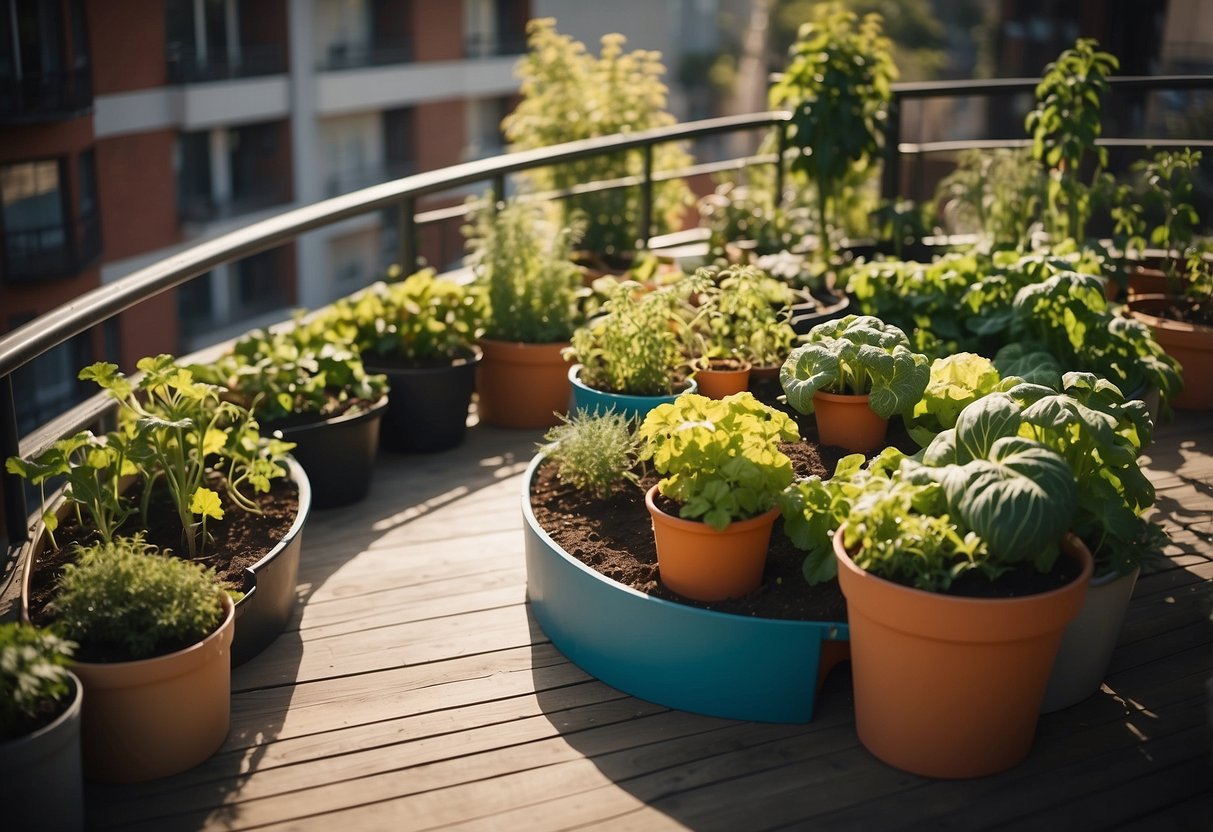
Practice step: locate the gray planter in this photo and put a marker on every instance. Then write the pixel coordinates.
(41, 785)
(1089, 640)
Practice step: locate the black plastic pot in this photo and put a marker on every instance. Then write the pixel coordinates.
(427, 410)
(338, 453)
(805, 316)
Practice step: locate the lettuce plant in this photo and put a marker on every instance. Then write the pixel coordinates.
(956, 381)
(858, 354)
(720, 458)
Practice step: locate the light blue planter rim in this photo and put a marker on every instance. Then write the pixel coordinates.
(684, 657)
(598, 401)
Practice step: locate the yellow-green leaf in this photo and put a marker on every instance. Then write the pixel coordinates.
(206, 502)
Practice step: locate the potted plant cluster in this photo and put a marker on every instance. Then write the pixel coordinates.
(40, 699)
(533, 288)
(854, 373)
(421, 333)
(155, 635)
(632, 356)
(315, 394)
(184, 466)
(723, 470)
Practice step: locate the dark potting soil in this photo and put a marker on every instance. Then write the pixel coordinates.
(237, 541)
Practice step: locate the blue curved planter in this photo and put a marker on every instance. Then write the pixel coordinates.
(597, 401)
(684, 657)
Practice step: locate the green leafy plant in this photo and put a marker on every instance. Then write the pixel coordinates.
(569, 94)
(532, 284)
(422, 320)
(1170, 181)
(1064, 125)
(593, 452)
(997, 193)
(1030, 362)
(734, 213)
(719, 458)
(838, 86)
(637, 344)
(740, 315)
(124, 600)
(177, 429)
(292, 373)
(956, 382)
(856, 355)
(33, 678)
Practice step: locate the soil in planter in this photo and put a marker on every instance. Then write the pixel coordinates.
(238, 541)
(615, 538)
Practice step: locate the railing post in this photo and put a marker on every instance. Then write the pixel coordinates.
(407, 245)
(646, 197)
(781, 146)
(15, 510)
(890, 181)
(497, 196)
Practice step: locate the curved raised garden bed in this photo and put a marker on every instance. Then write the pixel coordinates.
(707, 662)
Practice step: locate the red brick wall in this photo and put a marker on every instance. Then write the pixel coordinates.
(138, 193)
(148, 329)
(127, 44)
(441, 134)
(438, 29)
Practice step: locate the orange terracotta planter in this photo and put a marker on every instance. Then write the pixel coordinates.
(948, 686)
(522, 385)
(698, 562)
(716, 384)
(159, 716)
(848, 422)
(1189, 344)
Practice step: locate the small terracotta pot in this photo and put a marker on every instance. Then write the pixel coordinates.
(947, 686)
(848, 422)
(522, 385)
(698, 562)
(155, 717)
(718, 383)
(1189, 344)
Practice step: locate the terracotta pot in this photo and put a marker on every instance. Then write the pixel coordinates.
(696, 561)
(1090, 639)
(718, 383)
(522, 385)
(947, 686)
(848, 422)
(1189, 344)
(1147, 281)
(155, 717)
(40, 782)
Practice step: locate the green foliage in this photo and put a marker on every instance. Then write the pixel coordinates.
(636, 346)
(33, 678)
(856, 355)
(421, 320)
(1064, 125)
(814, 508)
(740, 315)
(593, 452)
(720, 457)
(569, 94)
(532, 284)
(735, 212)
(1170, 181)
(997, 193)
(125, 601)
(956, 382)
(176, 429)
(293, 371)
(1030, 362)
(837, 85)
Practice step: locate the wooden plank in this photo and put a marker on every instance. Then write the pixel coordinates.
(1193, 813)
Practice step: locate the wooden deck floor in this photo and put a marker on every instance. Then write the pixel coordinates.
(415, 691)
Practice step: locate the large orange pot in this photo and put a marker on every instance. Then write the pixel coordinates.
(847, 421)
(948, 686)
(698, 562)
(522, 385)
(1189, 344)
(716, 382)
(155, 717)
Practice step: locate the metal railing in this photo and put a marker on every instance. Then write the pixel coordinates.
(26, 343)
(226, 64)
(47, 96)
(361, 55)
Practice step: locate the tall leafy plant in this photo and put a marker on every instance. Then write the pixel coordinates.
(569, 94)
(838, 86)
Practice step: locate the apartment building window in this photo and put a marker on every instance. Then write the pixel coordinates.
(400, 141)
(34, 218)
(484, 135)
(229, 172)
(494, 27)
(206, 40)
(47, 386)
(43, 59)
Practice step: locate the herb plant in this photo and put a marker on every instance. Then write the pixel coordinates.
(856, 355)
(996, 193)
(33, 678)
(593, 452)
(720, 457)
(740, 316)
(1170, 182)
(525, 263)
(124, 600)
(637, 345)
